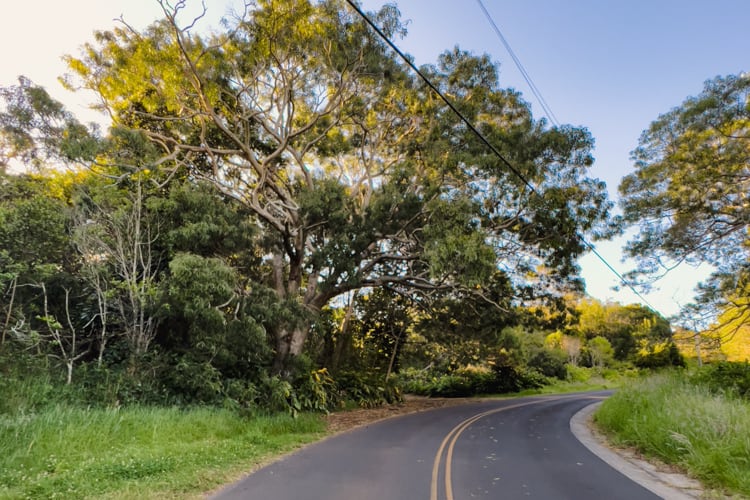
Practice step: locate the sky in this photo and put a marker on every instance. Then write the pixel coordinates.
(611, 66)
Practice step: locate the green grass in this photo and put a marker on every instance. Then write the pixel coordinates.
(584, 380)
(705, 433)
(139, 452)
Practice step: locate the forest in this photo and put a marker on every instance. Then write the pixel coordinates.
(283, 216)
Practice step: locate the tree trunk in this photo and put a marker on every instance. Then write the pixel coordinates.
(344, 338)
(698, 349)
(289, 345)
(392, 362)
(13, 285)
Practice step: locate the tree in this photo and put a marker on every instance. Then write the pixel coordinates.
(66, 338)
(36, 129)
(570, 345)
(355, 174)
(600, 352)
(689, 193)
(34, 248)
(117, 240)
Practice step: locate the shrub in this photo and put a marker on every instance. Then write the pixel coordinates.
(195, 382)
(578, 373)
(659, 356)
(471, 381)
(516, 379)
(316, 391)
(726, 376)
(549, 362)
(415, 381)
(278, 395)
(367, 389)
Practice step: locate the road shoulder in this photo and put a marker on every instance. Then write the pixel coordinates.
(666, 484)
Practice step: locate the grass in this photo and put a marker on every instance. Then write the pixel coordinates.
(568, 386)
(584, 380)
(138, 452)
(705, 433)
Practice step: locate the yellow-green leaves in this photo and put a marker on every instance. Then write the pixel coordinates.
(689, 193)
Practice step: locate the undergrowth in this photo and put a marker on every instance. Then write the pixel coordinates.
(687, 423)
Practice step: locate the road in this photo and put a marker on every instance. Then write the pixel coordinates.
(504, 449)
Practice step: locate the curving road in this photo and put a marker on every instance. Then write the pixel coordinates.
(505, 449)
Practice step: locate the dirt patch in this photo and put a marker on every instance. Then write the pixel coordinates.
(344, 420)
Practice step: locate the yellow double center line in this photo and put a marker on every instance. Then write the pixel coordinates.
(450, 442)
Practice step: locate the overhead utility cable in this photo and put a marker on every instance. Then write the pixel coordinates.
(534, 90)
(553, 119)
(484, 140)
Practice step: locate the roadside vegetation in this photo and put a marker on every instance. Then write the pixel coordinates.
(139, 452)
(698, 421)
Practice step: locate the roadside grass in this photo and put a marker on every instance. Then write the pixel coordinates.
(568, 386)
(139, 452)
(584, 380)
(668, 417)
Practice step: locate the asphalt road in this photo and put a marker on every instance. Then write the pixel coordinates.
(511, 449)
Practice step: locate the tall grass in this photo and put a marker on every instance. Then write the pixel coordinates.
(138, 452)
(686, 424)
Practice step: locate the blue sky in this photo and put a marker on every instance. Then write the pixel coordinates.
(610, 65)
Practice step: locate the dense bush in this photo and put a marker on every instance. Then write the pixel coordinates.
(578, 373)
(726, 376)
(510, 378)
(367, 389)
(471, 381)
(549, 362)
(659, 356)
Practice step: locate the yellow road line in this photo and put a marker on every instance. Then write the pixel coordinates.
(452, 437)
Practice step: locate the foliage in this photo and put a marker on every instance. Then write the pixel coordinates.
(659, 356)
(725, 378)
(627, 328)
(578, 373)
(367, 389)
(599, 352)
(669, 417)
(688, 194)
(281, 216)
(35, 128)
(732, 332)
(549, 362)
(355, 176)
(471, 381)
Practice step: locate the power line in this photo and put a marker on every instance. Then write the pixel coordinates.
(534, 90)
(553, 119)
(442, 97)
(486, 142)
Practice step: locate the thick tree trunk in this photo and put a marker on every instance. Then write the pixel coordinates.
(289, 345)
(282, 351)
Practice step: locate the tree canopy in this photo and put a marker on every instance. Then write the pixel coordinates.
(256, 179)
(355, 172)
(689, 195)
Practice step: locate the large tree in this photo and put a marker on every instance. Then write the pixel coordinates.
(690, 192)
(355, 172)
